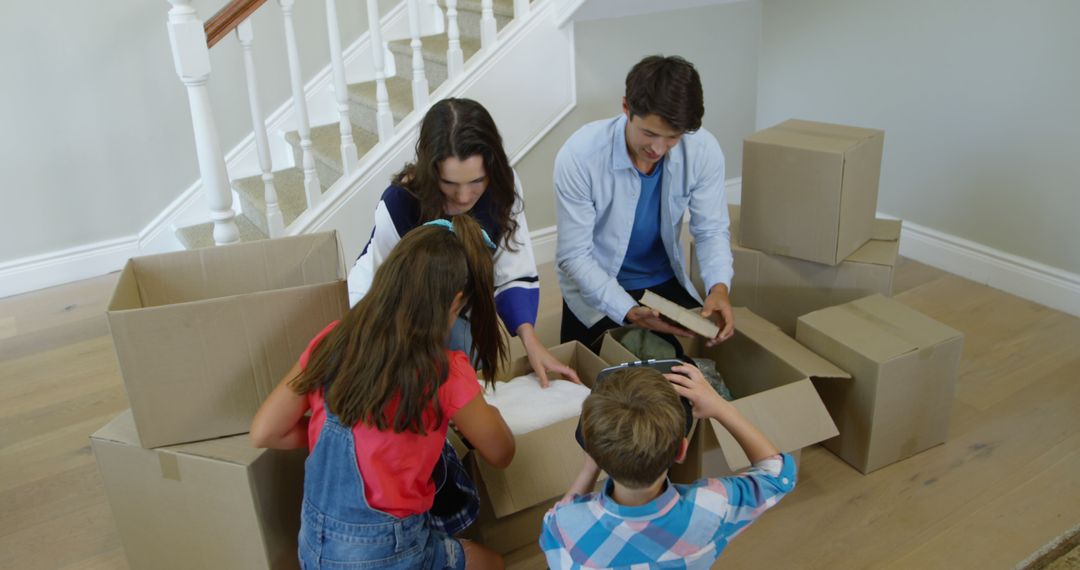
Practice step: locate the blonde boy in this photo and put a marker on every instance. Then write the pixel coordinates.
(633, 427)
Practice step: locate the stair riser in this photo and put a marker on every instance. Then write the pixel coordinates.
(254, 212)
(436, 73)
(328, 172)
(469, 23)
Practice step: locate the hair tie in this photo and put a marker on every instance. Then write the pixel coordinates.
(450, 226)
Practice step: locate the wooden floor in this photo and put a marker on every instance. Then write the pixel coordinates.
(1006, 482)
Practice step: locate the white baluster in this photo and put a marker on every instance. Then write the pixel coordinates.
(384, 119)
(521, 8)
(275, 223)
(455, 58)
(311, 179)
(192, 60)
(341, 91)
(487, 24)
(419, 82)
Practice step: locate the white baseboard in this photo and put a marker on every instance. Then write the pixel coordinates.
(1031, 280)
(544, 241)
(64, 266)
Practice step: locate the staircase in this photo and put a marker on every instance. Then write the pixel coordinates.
(326, 140)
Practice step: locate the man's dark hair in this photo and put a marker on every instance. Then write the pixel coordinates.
(668, 87)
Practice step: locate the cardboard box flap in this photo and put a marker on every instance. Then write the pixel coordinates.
(225, 271)
(876, 252)
(234, 449)
(907, 322)
(791, 416)
(613, 352)
(887, 230)
(812, 136)
(120, 430)
(783, 346)
(867, 332)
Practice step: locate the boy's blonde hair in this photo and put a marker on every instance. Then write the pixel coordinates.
(633, 424)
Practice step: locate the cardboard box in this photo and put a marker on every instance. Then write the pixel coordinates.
(203, 336)
(213, 504)
(904, 366)
(769, 374)
(783, 288)
(514, 500)
(809, 190)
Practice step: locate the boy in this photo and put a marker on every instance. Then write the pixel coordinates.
(633, 428)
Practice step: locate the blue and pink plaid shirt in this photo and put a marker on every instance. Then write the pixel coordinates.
(687, 526)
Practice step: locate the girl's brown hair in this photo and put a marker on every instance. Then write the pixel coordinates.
(461, 128)
(393, 342)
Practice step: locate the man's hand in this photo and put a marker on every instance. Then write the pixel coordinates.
(650, 319)
(692, 385)
(718, 309)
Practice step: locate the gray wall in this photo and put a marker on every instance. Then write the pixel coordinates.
(98, 132)
(721, 41)
(979, 103)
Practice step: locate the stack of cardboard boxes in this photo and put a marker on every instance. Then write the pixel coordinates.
(811, 258)
(202, 338)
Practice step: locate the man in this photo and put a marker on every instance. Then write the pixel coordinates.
(622, 187)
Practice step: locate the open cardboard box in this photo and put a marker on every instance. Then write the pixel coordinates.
(211, 505)
(204, 335)
(809, 190)
(769, 374)
(905, 367)
(781, 289)
(513, 500)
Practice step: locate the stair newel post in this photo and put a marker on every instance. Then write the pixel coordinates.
(275, 223)
(312, 190)
(191, 57)
(455, 58)
(521, 8)
(341, 91)
(419, 82)
(384, 119)
(487, 24)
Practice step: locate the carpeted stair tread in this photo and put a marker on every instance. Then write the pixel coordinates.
(289, 184)
(434, 48)
(399, 90)
(326, 145)
(498, 7)
(202, 235)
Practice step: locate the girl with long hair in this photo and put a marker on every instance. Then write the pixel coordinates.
(461, 168)
(381, 388)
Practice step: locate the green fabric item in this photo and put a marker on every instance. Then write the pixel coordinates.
(645, 345)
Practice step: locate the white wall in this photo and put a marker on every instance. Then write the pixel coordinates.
(721, 41)
(979, 103)
(98, 133)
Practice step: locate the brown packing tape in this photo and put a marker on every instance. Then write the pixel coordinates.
(865, 315)
(820, 133)
(170, 465)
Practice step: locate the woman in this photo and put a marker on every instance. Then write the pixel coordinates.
(461, 168)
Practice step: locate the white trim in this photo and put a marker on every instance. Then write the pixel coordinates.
(544, 241)
(1031, 280)
(66, 265)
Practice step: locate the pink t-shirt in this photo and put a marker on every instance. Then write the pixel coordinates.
(397, 467)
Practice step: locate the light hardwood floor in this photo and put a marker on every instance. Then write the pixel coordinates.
(1006, 482)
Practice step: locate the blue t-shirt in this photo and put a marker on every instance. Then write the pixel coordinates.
(646, 263)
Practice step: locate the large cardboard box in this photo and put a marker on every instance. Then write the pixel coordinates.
(513, 500)
(769, 375)
(207, 505)
(203, 336)
(904, 366)
(809, 190)
(782, 288)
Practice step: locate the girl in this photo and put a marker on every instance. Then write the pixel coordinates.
(461, 168)
(381, 387)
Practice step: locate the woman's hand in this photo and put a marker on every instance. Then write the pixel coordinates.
(541, 360)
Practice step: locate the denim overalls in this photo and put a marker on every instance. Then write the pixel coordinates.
(338, 530)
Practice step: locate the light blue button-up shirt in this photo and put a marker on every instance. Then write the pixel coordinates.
(596, 193)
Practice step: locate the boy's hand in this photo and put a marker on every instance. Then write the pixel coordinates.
(692, 385)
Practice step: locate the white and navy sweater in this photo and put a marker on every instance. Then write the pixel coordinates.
(517, 286)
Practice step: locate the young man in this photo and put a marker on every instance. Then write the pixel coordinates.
(633, 428)
(622, 187)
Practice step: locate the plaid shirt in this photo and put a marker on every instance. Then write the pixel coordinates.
(687, 526)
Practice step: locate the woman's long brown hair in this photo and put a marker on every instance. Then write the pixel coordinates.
(461, 128)
(393, 342)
